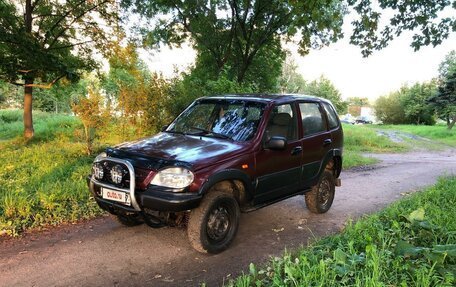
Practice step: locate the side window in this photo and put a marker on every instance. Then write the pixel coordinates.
(332, 117)
(312, 120)
(283, 122)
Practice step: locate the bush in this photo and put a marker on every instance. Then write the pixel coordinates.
(407, 106)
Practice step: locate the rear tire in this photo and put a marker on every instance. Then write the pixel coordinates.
(213, 225)
(321, 197)
(129, 220)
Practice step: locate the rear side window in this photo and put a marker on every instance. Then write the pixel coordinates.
(332, 116)
(312, 120)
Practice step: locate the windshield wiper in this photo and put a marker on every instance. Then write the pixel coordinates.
(208, 132)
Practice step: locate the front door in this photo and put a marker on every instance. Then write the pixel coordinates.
(279, 171)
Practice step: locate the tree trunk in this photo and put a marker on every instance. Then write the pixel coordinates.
(28, 120)
(28, 90)
(453, 121)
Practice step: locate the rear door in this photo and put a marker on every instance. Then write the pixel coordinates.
(316, 141)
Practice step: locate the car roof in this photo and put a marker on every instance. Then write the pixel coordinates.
(276, 98)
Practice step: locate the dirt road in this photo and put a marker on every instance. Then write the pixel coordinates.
(101, 252)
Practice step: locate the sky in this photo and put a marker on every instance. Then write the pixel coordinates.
(354, 76)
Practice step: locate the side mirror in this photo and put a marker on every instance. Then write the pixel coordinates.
(277, 143)
(164, 128)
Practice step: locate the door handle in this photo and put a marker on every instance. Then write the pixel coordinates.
(296, 150)
(327, 142)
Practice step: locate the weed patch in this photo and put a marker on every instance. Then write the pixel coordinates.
(410, 243)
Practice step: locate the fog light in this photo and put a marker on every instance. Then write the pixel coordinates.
(98, 171)
(117, 174)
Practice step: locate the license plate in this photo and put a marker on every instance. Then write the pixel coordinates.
(115, 195)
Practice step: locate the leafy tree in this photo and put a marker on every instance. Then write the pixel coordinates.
(42, 42)
(415, 105)
(444, 102)
(389, 110)
(90, 109)
(139, 95)
(233, 36)
(190, 86)
(408, 105)
(325, 89)
(290, 80)
(427, 19)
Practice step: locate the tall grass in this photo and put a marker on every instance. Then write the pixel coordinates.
(42, 181)
(410, 243)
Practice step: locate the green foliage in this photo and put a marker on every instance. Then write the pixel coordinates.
(241, 38)
(50, 126)
(408, 105)
(189, 87)
(42, 40)
(141, 97)
(415, 105)
(290, 80)
(427, 19)
(42, 181)
(325, 89)
(93, 116)
(388, 109)
(410, 243)
(59, 97)
(444, 102)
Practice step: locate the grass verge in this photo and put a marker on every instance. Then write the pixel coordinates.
(359, 139)
(410, 243)
(438, 133)
(42, 182)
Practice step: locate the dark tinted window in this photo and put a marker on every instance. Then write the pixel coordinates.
(312, 120)
(332, 116)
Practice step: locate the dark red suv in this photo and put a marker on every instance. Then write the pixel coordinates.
(221, 156)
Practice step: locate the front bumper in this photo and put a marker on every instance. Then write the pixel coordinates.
(157, 199)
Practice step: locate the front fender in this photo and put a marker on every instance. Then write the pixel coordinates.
(229, 174)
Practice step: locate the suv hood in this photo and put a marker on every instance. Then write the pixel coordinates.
(195, 150)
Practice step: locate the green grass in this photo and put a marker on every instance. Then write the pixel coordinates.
(359, 139)
(438, 133)
(410, 243)
(42, 182)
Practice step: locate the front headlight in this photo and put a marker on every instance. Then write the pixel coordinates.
(173, 177)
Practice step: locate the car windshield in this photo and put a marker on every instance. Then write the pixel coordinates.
(231, 119)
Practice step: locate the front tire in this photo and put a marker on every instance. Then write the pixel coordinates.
(213, 225)
(321, 197)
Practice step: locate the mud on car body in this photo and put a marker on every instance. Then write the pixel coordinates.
(221, 156)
